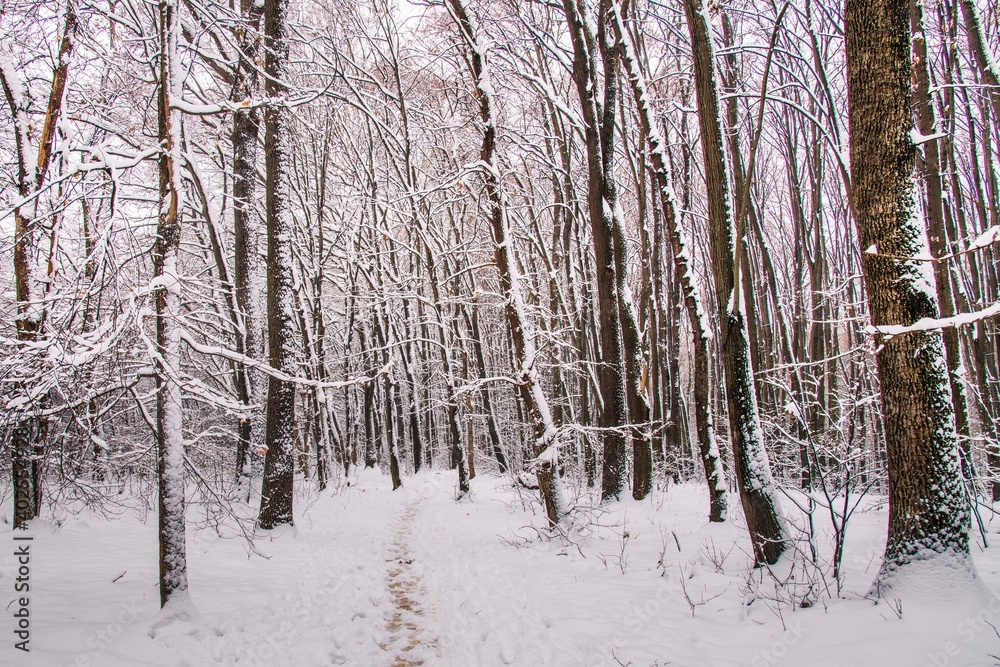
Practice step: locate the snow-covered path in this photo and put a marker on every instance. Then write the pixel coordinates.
(410, 641)
(379, 578)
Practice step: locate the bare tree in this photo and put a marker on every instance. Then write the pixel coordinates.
(31, 307)
(167, 294)
(683, 272)
(246, 228)
(546, 447)
(753, 472)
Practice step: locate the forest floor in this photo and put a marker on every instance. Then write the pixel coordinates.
(372, 577)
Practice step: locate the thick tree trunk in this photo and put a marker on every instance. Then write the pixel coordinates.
(753, 471)
(279, 471)
(928, 513)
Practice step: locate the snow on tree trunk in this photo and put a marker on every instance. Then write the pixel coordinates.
(167, 294)
(753, 471)
(32, 166)
(928, 513)
(546, 448)
(684, 273)
(279, 437)
(632, 343)
(612, 384)
(937, 235)
(246, 232)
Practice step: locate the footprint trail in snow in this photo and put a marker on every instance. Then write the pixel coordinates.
(407, 638)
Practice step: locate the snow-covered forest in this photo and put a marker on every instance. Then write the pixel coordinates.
(500, 332)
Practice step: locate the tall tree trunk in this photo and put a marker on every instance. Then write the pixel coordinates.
(277, 490)
(546, 445)
(28, 431)
(614, 416)
(246, 230)
(684, 275)
(729, 77)
(166, 251)
(636, 400)
(753, 471)
(929, 165)
(928, 513)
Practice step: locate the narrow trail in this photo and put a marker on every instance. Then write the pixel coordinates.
(407, 638)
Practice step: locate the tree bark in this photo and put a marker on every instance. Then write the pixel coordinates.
(277, 489)
(928, 513)
(684, 275)
(612, 381)
(753, 471)
(246, 230)
(929, 166)
(169, 410)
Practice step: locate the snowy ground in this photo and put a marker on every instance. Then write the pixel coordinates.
(371, 577)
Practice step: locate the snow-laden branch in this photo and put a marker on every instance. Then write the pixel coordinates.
(290, 101)
(984, 240)
(935, 323)
(195, 109)
(109, 162)
(249, 362)
(919, 139)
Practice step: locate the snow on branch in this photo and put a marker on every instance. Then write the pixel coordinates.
(936, 323)
(194, 109)
(297, 99)
(919, 139)
(232, 355)
(984, 240)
